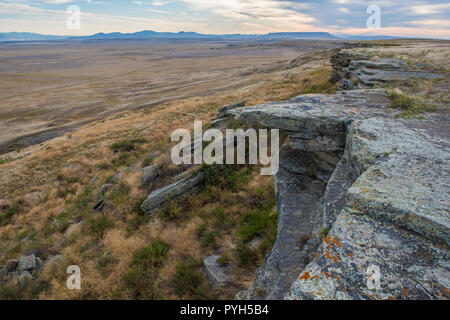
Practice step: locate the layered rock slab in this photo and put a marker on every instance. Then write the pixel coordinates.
(311, 181)
(317, 122)
(190, 183)
(396, 217)
(217, 274)
(356, 70)
(394, 179)
(409, 267)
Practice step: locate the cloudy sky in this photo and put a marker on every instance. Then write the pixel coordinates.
(421, 18)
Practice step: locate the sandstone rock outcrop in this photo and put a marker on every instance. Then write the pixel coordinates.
(355, 70)
(357, 191)
(395, 217)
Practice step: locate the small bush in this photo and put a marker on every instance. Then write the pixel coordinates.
(246, 256)
(201, 231)
(138, 282)
(127, 145)
(98, 225)
(10, 292)
(122, 160)
(120, 193)
(209, 240)
(134, 223)
(266, 245)
(83, 203)
(221, 220)
(6, 160)
(136, 208)
(232, 177)
(104, 165)
(171, 211)
(6, 217)
(64, 192)
(262, 198)
(151, 256)
(411, 105)
(188, 280)
(27, 289)
(138, 279)
(68, 179)
(319, 82)
(148, 161)
(106, 262)
(223, 259)
(219, 213)
(256, 223)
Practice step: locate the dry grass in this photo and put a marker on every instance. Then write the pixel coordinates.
(51, 184)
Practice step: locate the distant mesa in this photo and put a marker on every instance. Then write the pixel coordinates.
(149, 34)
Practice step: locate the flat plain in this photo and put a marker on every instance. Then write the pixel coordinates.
(49, 88)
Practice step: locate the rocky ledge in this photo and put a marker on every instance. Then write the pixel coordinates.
(361, 196)
(356, 70)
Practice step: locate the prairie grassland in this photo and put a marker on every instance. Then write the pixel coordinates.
(47, 89)
(48, 192)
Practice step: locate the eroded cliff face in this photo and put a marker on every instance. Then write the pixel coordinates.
(358, 192)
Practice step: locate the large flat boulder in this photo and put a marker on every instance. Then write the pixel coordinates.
(218, 275)
(396, 216)
(409, 266)
(317, 122)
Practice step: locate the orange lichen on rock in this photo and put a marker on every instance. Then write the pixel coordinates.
(444, 289)
(305, 276)
(328, 255)
(403, 293)
(327, 240)
(327, 275)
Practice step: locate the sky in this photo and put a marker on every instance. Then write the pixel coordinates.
(409, 18)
